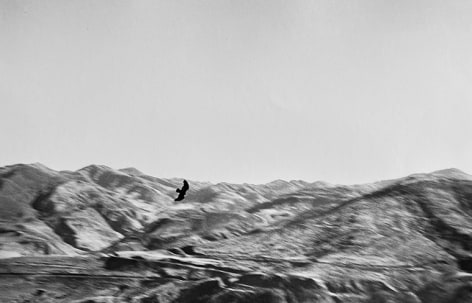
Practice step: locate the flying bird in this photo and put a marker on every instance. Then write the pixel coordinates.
(182, 191)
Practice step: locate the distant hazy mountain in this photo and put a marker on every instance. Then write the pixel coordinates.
(403, 240)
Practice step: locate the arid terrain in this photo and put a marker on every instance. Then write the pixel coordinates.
(105, 235)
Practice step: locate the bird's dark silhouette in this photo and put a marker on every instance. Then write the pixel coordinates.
(182, 191)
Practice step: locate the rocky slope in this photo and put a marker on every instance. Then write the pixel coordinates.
(105, 235)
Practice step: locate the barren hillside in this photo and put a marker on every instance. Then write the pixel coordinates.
(105, 235)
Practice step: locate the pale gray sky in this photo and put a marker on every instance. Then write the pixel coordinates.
(238, 90)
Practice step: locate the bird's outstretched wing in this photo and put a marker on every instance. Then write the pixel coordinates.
(180, 197)
(185, 187)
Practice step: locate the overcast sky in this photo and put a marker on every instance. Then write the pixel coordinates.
(238, 90)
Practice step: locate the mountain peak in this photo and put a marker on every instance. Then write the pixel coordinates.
(452, 172)
(131, 171)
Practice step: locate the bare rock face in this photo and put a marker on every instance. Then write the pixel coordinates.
(21, 231)
(86, 230)
(105, 235)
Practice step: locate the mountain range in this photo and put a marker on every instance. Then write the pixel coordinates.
(116, 235)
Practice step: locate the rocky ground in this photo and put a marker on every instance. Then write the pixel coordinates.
(105, 235)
